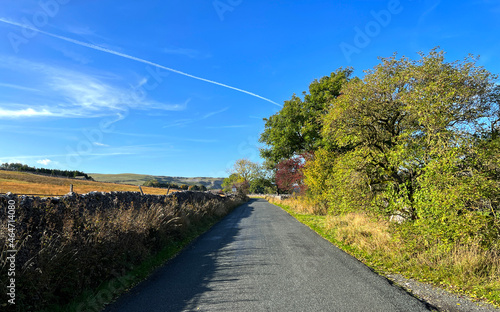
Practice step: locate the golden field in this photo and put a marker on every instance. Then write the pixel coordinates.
(22, 183)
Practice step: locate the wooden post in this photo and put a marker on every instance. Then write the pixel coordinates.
(140, 188)
(168, 190)
(71, 188)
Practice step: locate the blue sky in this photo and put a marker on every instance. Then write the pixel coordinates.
(96, 88)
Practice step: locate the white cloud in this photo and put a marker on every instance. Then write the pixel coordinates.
(18, 87)
(133, 58)
(25, 112)
(68, 93)
(44, 162)
(101, 144)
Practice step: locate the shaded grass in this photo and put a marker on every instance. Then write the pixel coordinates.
(96, 299)
(464, 269)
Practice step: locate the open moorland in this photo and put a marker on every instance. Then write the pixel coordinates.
(140, 179)
(32, 184)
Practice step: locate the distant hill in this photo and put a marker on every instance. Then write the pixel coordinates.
(41, 185)
(140, 179)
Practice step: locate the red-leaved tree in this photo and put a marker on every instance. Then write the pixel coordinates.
(289, 176)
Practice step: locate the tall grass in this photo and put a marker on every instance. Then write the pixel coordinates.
(65, 248)
(389, 247)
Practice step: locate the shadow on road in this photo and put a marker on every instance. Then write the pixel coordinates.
(179, 284)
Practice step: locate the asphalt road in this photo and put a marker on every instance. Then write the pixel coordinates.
(259, 258)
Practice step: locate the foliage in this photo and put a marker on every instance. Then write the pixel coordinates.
(297, 127)
(463, 268)
(51, 172)
(403, 117)
(248, 177)
(289, 176)
(197, 187)
(334, 182)
(228, 183)
(245, 169)
(156, 183)
(261, 185)
(417, 139)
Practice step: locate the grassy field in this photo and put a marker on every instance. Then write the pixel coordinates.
(27, 183)
(139, 179)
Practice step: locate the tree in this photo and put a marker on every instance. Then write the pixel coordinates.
(249, 176)
(152, 183)
(297, 127)
(245, 169)
(289, 176)
(403, 116)
(228, 183)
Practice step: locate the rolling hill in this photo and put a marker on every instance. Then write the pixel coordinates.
(34, 184)
(140, 179)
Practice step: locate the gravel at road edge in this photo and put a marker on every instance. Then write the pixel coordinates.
(441, 298)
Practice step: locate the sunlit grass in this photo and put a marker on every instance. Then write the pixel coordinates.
(27, 183)
(466, 269)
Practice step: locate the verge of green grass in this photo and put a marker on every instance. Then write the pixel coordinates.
(394, 258)
(109, 291)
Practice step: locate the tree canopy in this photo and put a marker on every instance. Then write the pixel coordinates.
(417, 138)
(297, 127)
(249, 176)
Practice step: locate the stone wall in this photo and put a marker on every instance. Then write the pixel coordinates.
(100, 201)
(64, 245)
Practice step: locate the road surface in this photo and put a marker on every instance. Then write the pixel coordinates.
(259, 258)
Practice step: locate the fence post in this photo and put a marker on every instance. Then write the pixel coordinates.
(140, 188)
(71, 188)
(168, 190)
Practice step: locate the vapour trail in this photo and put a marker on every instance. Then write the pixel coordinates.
(130, 57)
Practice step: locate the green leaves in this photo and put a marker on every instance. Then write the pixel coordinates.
(297, 127)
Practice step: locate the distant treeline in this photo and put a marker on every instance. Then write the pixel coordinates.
(155, 183)
(51, 172)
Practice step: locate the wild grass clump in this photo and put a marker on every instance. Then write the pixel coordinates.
(391, 247)
(300, 204)
(73, 244)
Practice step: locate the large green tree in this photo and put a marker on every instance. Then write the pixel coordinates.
(251, 176)
(404, 115)
(297, 127)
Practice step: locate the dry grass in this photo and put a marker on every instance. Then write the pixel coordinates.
(301, 205)
(357, 229)
(65, 250)
(27, 183)
(380, 244)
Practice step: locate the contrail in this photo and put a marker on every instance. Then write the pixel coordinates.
(130, 57)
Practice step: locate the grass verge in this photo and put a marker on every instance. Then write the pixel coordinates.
(468, 269)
